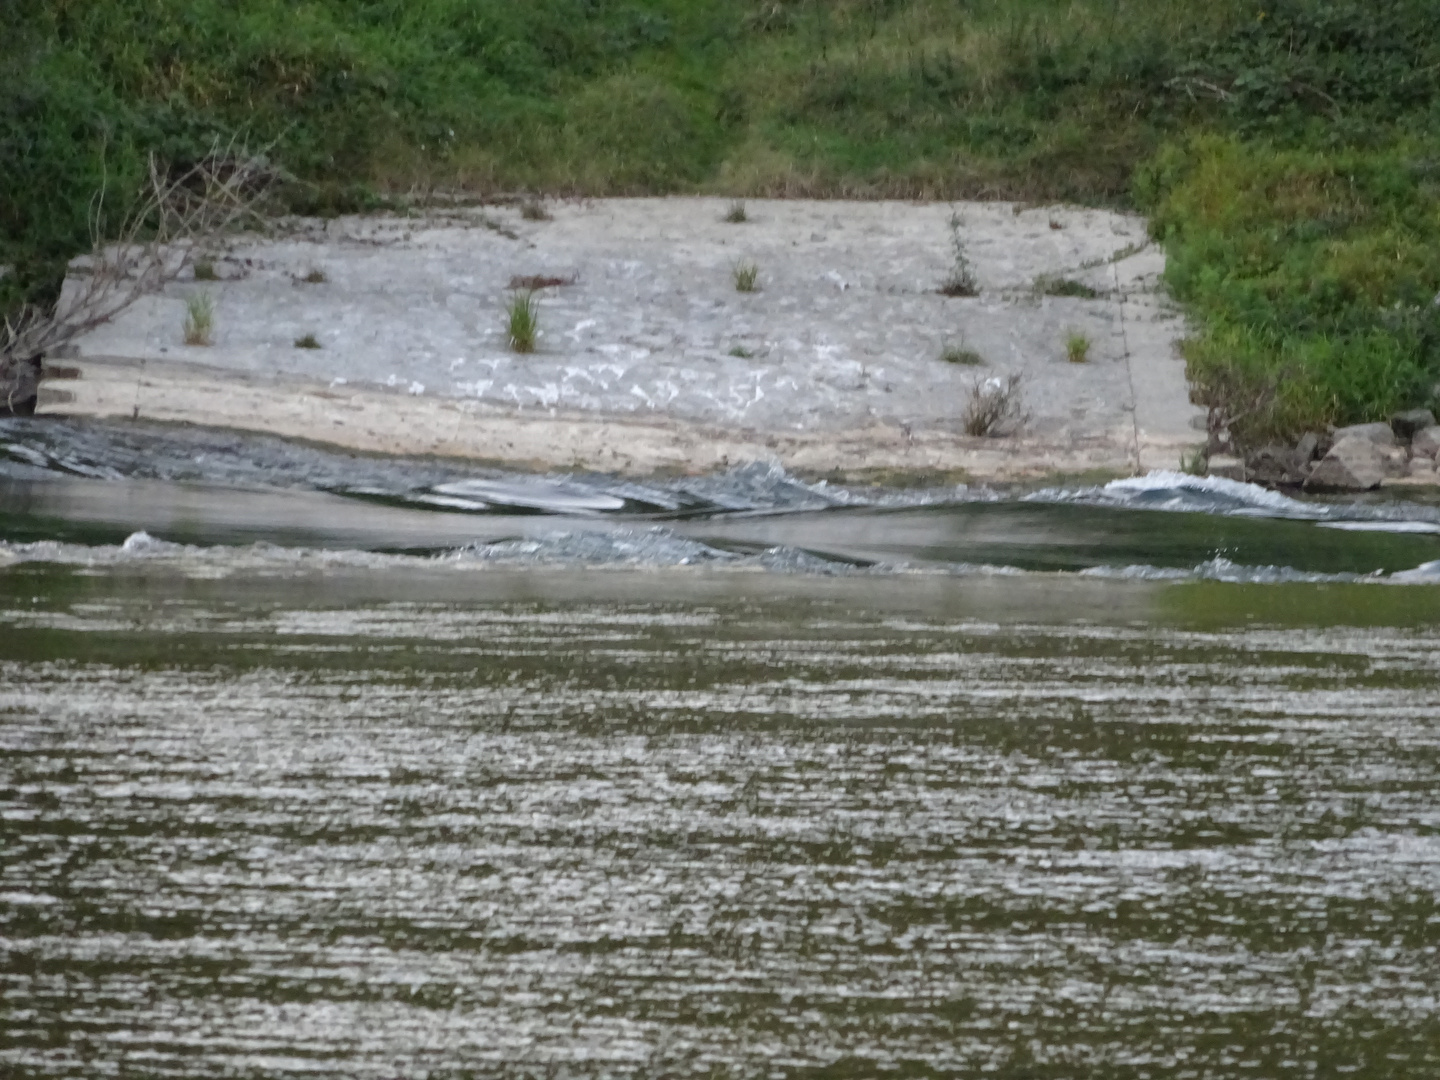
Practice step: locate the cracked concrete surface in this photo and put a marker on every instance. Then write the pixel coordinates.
(651, 359)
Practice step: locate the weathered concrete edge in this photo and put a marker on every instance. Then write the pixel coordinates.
(377, 420)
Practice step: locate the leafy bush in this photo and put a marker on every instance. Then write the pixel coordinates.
(1313, 275)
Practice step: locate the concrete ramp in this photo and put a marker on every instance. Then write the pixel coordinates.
(649, 358)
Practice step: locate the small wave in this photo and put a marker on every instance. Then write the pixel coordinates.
(632, 547)
(142, 543)
(1205, 492)
(1175, 491)
(1232, 573)
(1424, 574)
(533, 493)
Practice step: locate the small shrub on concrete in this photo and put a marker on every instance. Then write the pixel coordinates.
(741, 352)
(994, 407)
(747, 277)
(199, 319)
(1077, 347)
(523, 325)
(205, 271)
(961, 280)
(736, 215)
(309, 341)
(315, 277)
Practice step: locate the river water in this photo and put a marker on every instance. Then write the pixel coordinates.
(323, 766)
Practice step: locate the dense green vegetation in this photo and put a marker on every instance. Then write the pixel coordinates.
(1289, 151)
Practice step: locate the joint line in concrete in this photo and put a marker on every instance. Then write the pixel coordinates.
(1129, 373)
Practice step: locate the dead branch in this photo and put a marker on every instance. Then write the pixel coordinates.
(177, 210)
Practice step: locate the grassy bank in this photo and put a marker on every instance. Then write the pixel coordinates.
(1289, 152)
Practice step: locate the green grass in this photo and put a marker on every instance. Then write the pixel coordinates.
(307, 341)
(1077, 347)
(199, 328)
(522, 324)
(205, 270)
(1287, 150)
(746, 276)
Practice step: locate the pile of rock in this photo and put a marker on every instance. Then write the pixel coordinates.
(1355, 458)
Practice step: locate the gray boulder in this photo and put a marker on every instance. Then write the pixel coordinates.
(1406, 424)
(1353, 464)
(1275, 464)
(1379, 434)
(1426, 442)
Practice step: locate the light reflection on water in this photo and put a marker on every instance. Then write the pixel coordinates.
(800, 829)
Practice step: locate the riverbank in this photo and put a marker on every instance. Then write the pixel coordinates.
(845, 360)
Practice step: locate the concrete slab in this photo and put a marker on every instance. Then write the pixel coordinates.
(835, 363)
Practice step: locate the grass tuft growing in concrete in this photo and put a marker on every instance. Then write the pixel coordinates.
(205, 271)
(737, 214)
(522, 322)
(307, 341)
(199, 319)
(959, 354)
(746, 276)
(1077, 347)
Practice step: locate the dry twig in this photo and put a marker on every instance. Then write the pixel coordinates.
(178, 209)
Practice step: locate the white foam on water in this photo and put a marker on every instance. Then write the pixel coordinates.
(550, 495)
(1384, 526)
(1424, 574)
(451, 502)
(142, 543)
(1185, 488)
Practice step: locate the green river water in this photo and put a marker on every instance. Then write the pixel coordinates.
(727, 797)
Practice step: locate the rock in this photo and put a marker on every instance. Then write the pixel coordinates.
(1406, 424)
(1397, 461)
(1308, 446)
(1223, 465)
(1353, 464)
(1379, 434)
(1422, 468)
(1426, 442)
(1275, 464)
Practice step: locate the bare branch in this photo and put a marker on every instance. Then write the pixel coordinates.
(177, 210)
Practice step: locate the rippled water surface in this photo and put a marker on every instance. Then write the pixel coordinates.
(691, 823)
(319, 765)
